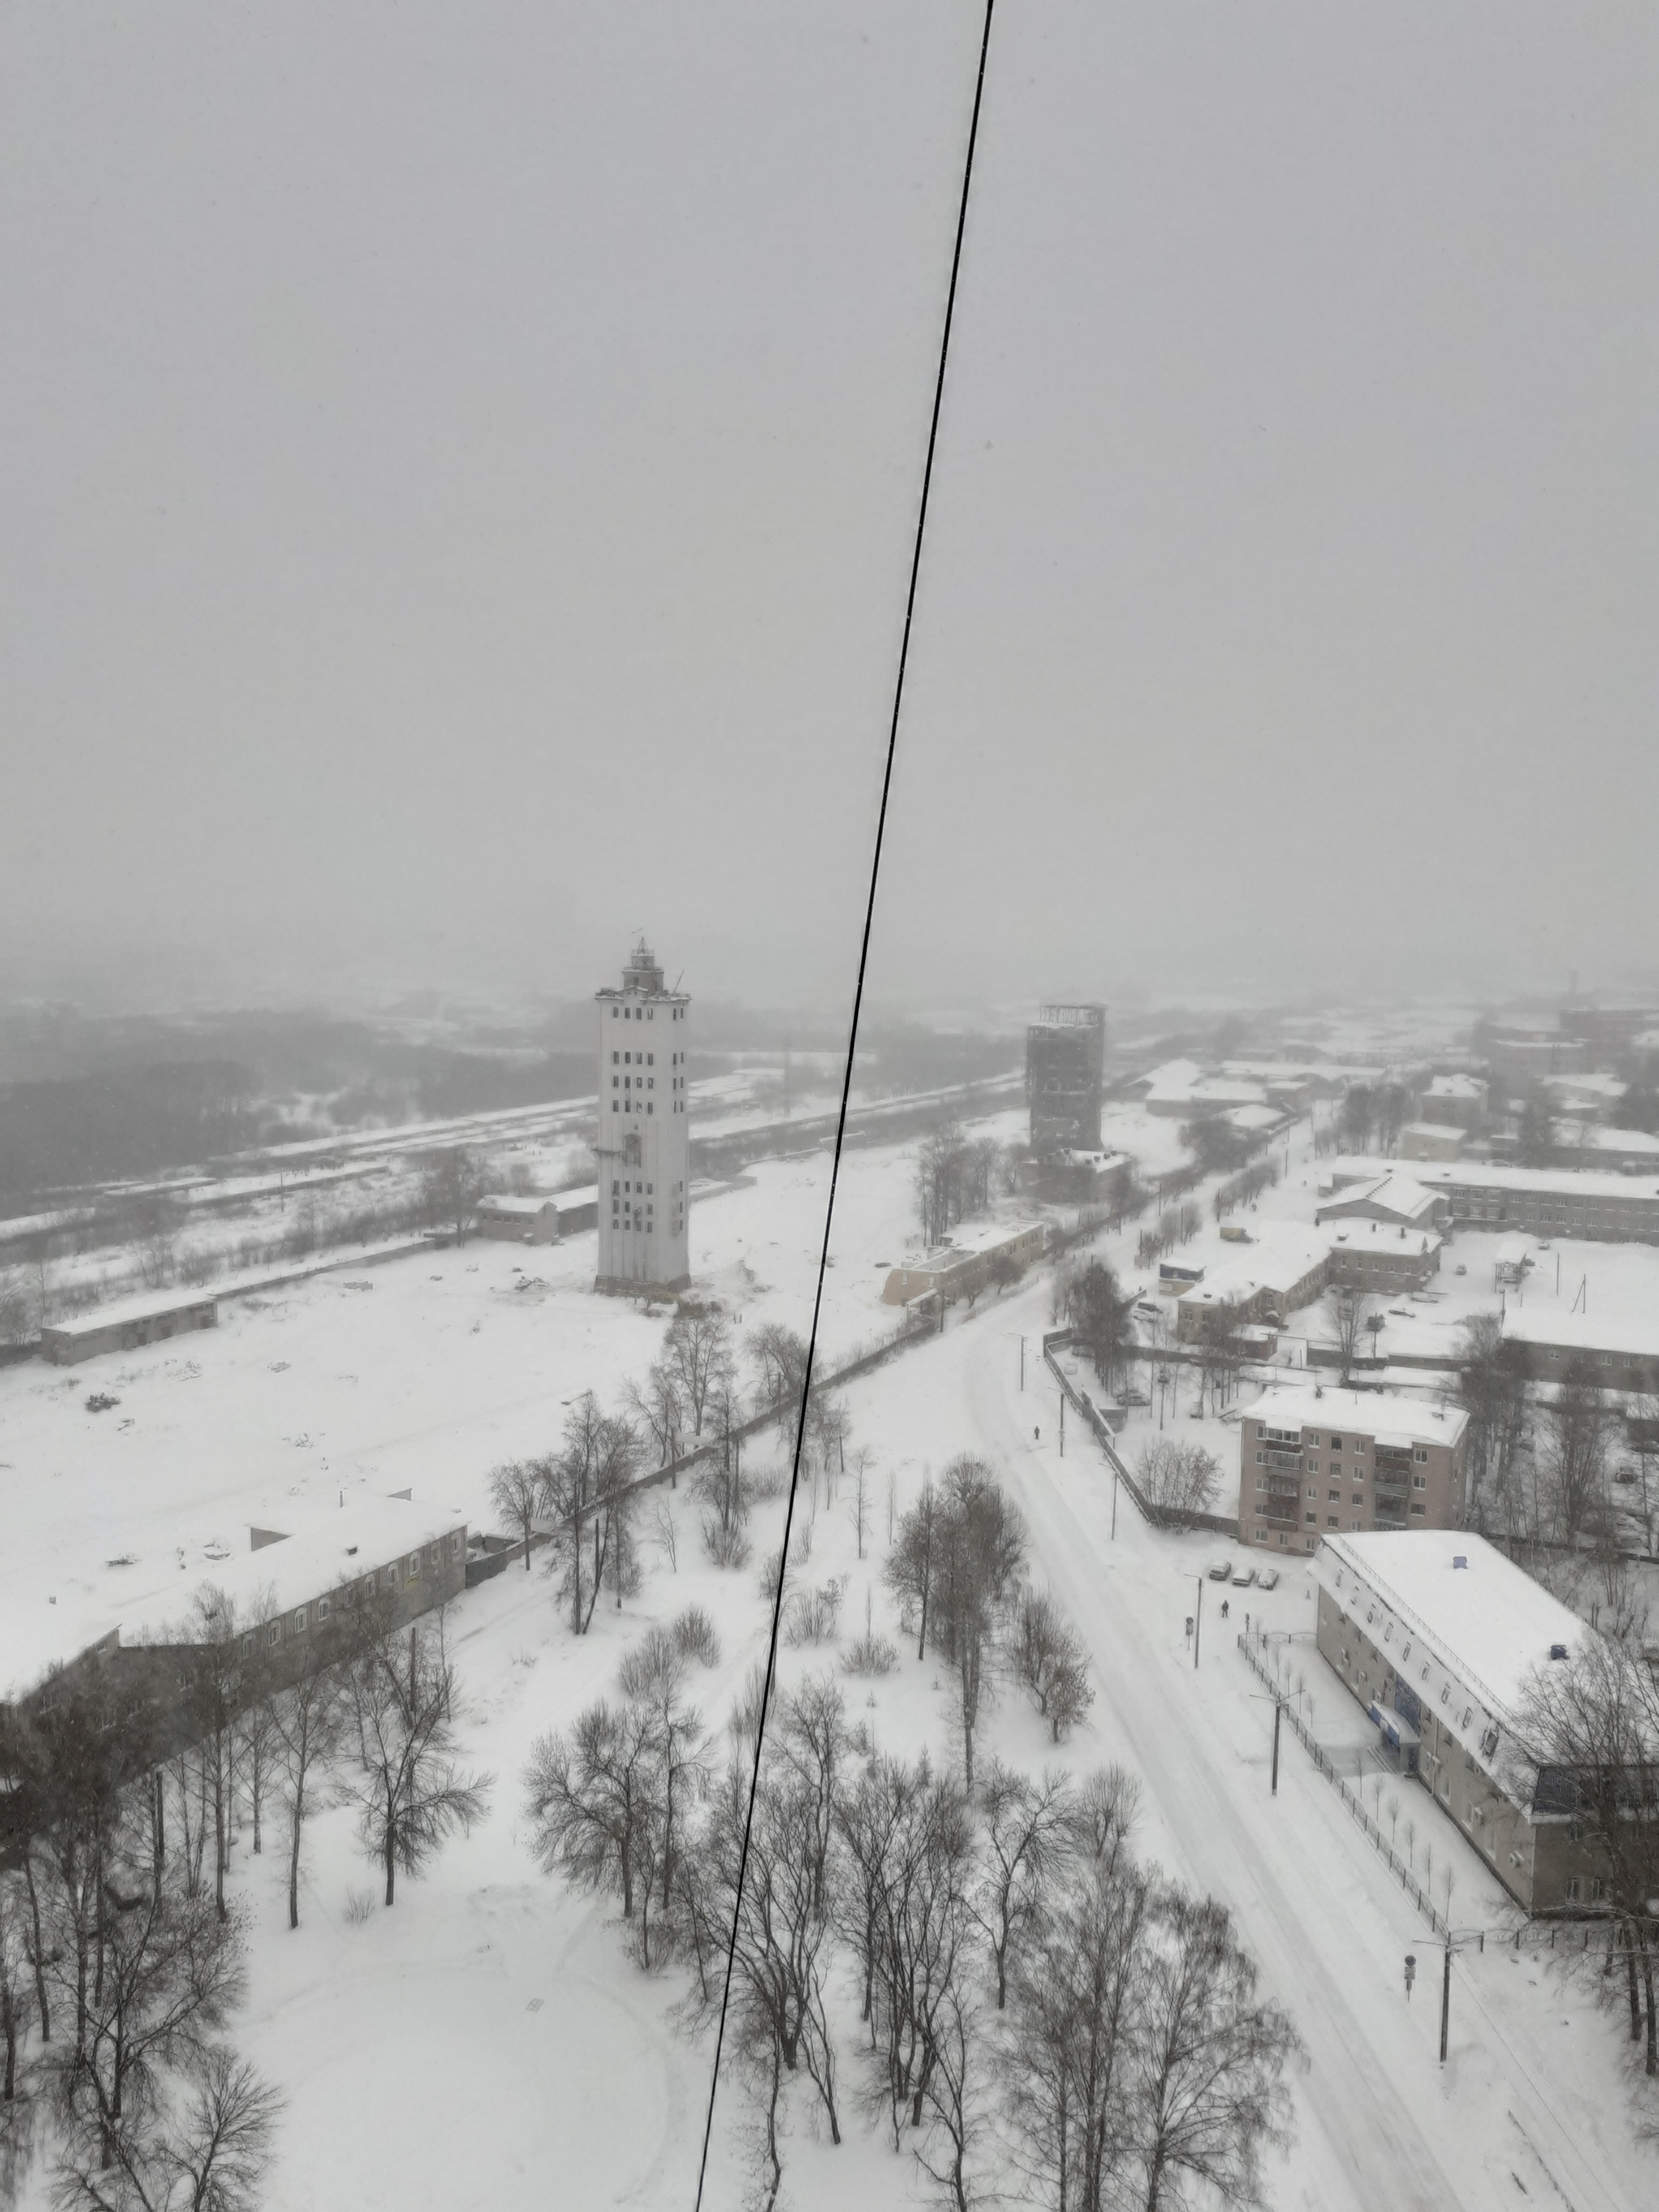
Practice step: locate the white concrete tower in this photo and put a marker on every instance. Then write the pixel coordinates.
(644, 1143)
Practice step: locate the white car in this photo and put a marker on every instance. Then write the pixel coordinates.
(1268, 1579)
(1245, 1577)
(1221, 1571)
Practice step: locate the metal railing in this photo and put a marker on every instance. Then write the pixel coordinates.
(1251, 1644)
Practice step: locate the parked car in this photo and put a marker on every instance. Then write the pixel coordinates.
(1244, 1577)
(1221, 1571)
(1268, 1579)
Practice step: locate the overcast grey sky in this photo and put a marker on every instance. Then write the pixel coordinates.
(459, 467)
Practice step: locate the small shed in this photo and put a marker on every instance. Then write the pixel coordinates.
(519, 1220)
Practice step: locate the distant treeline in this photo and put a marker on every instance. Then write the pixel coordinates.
(121, 1121)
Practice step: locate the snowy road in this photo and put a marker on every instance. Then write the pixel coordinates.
(1381, 2126)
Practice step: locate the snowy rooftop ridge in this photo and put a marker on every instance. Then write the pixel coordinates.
(1375, 1414)
(1488, 1622)
(1482, 1175)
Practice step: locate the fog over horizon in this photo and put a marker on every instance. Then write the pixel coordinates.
(461, 475)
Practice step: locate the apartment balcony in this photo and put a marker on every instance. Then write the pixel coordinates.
(1289, 1462)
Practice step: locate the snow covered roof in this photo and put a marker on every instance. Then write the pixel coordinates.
(322, 1553)
(1375, 1414)
(1279, 1257)
(1635, 1331)
(519, 1209)
(1488, 1622)
(1456, 1086)
(1443, 1129)
(1400, 1195)
(1479, 1175)
(143, 1308)
(1255, 1117)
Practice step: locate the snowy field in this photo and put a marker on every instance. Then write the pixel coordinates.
(486, 2041)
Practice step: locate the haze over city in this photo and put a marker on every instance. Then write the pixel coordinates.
(706, 1510)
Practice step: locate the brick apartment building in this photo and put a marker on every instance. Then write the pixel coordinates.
(1312, 1462)
(1436, 1634)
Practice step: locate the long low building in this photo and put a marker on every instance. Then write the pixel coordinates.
(1617, 1354)
(1316, 1461)
(126, 1326)
(513, 1219)
(1436, 1634)
(391, 1559)
(1541, 1201)
(967, 1263)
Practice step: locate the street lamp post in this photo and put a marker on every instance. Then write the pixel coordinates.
(1198, 1619)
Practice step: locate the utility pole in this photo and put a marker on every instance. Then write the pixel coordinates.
(1198, 1621)
(1279, 1714)
(1445, 2000)
(1062, 1421)
(1022, 1362)
(1115, 1503)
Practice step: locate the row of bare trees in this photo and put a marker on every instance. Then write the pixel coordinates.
(1539, 1467)
(1020, 1980)
(583, 1498)
(957, 1176)
(121, 1948)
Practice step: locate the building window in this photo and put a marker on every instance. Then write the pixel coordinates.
(325, 1606)
(1419, 1482)
(274, 1633)
(1334, 1497)
(298, 1620)
(413, 1566)
(1310, 1517)
(455, 1545)
(431, 1556)
(1421, 1455)
(1421, 1511)
(392, 1578)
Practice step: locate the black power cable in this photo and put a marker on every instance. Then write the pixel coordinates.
(847, 1085)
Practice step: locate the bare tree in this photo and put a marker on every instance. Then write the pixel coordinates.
(1350, 1310)
(308, 1723)
(1049, 1660)
(1069, 2098)
(409, 1789)
(1577, 1427)
(1026, 1836)
(1211, 2059)
(923, 1940)
(857, 1507)
(982, 1546)
(1178, 1481)
(653, 1678)
(205, 2150)
(774, 1908)
(909, 1571)
(657, 1412)
(451, 1183)
(1590, 1748)
(518, 1494)
(589, 1794)
(586, 1486)
(696, 1357)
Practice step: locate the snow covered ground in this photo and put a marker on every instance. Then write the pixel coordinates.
(486, 2041)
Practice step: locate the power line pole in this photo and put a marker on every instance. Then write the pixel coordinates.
(1198, 1621)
